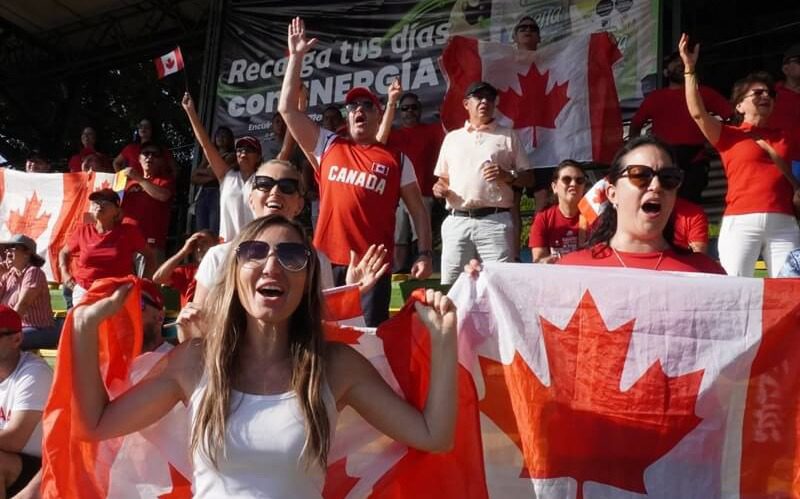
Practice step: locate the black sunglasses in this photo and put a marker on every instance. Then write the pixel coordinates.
(151, 153)
(409, 107)
(366, 105)
(641, 175)
(758, 92)
(265, 183)
(566, 180)
(292, 256)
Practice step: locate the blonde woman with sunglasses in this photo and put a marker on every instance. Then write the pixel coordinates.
(264, 387)
(635, 230)
(763, 194)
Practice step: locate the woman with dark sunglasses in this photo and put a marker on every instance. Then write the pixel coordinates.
(634, 231)
(264, 387)
(762, 192)
(556, 230)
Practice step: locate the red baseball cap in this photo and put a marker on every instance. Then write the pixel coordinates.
(9, 319)
(248, 141)
(151, 290)
(362, 92)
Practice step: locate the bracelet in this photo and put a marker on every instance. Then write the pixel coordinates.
(688, 72)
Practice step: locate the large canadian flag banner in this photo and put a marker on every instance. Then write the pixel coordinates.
(46, 207)
(561, 99)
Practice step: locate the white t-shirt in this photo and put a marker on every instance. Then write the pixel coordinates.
(26, 389)
(234, 212)
(209, 273)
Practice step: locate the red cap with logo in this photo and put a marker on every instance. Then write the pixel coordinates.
(152, 291)
(362, 92)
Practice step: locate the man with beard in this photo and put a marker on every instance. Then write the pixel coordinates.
(666, 108)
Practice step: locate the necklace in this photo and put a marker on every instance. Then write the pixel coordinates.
(622, 262)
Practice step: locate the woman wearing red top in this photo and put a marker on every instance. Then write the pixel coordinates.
(556, 230)
(105, 248)
(146, 131)
(759, 214)
(635, 231)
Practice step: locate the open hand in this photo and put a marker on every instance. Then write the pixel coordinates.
(372, 266)
(296, 38)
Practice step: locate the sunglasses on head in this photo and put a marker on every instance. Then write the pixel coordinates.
(409, 107)
(151, 153)
(641, 175)
(146, 300)
(366, 105)
(285, 185)
(292, 256)
(528, 27)
(567, 179)
(759, 92)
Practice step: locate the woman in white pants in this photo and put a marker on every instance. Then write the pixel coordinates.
(759, 212)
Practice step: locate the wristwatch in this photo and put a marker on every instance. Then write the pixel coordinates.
(428, 253)
(514, 175)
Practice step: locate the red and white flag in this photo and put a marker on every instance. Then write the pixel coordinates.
(46, 207)
(561, 99)
(169, 63)
(594, 202)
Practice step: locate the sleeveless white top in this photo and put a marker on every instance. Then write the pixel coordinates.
(264, 446)
(234, 212)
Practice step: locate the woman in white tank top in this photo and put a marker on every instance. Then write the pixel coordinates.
(263, 386)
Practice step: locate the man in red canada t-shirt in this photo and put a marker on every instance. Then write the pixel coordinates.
(666, 108)
(421, 143)
(360, 181)
(786, 113)
(148, 197)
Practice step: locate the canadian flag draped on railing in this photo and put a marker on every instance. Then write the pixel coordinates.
(46, 207)
(574, 382)
(561, 99)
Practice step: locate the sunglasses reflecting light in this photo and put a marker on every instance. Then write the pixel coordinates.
(641, 175)
(291, 256)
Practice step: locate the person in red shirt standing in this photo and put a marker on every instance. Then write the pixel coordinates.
(147, 131)
(556, 230)
(181, 276)
(147, 201)
(634, 231)
(360, 180)
(672, 123)
(99, 162)
(786, 114)
(690, 226)
(421, 143)
(105, 247)
(760, 202)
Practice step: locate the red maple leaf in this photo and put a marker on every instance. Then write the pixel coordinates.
(582, 426)
(535, 107)
(105, 185)
(29, 222)
(169, 63)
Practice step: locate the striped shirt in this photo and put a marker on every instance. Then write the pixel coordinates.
(39, 313)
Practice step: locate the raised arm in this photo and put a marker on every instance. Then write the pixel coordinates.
(304, 131)
(215, 160)
(395, 91)
(357, 384)
(143, 404)
(710, 126)
(162, 274)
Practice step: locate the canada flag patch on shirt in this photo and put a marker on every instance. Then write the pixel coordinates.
(379, 169)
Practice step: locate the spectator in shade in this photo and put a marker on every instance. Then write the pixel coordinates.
(146, 131)
(36, 162)
(634, 232)
(557, 230)
(99, 161)
(23, 287)
(105, 247)
(147, 201)
(234, 187)
(25, 380)
(666, 109)
(763, 194)
(207, 200)
(786, 114)
(332, 119)
(691, 226)
(181, 276)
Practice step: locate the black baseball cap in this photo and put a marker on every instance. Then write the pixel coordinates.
(791, 53)
(480, 87)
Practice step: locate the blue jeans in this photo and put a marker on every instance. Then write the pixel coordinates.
(34, 338)
(206, 210)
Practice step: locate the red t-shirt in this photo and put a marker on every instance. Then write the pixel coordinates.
(421, 143)
(786, 113)
(151, 215)
(359, 188)
(755, 184)
(182, 279)
(691, 223)
(672, 123)
(131, 155)
(601, 255)
(75, 161)
(109, 254)
(551, 229)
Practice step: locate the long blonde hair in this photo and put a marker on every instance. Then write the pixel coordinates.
(306, 348)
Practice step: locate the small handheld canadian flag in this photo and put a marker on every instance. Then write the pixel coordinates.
(169, 63)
